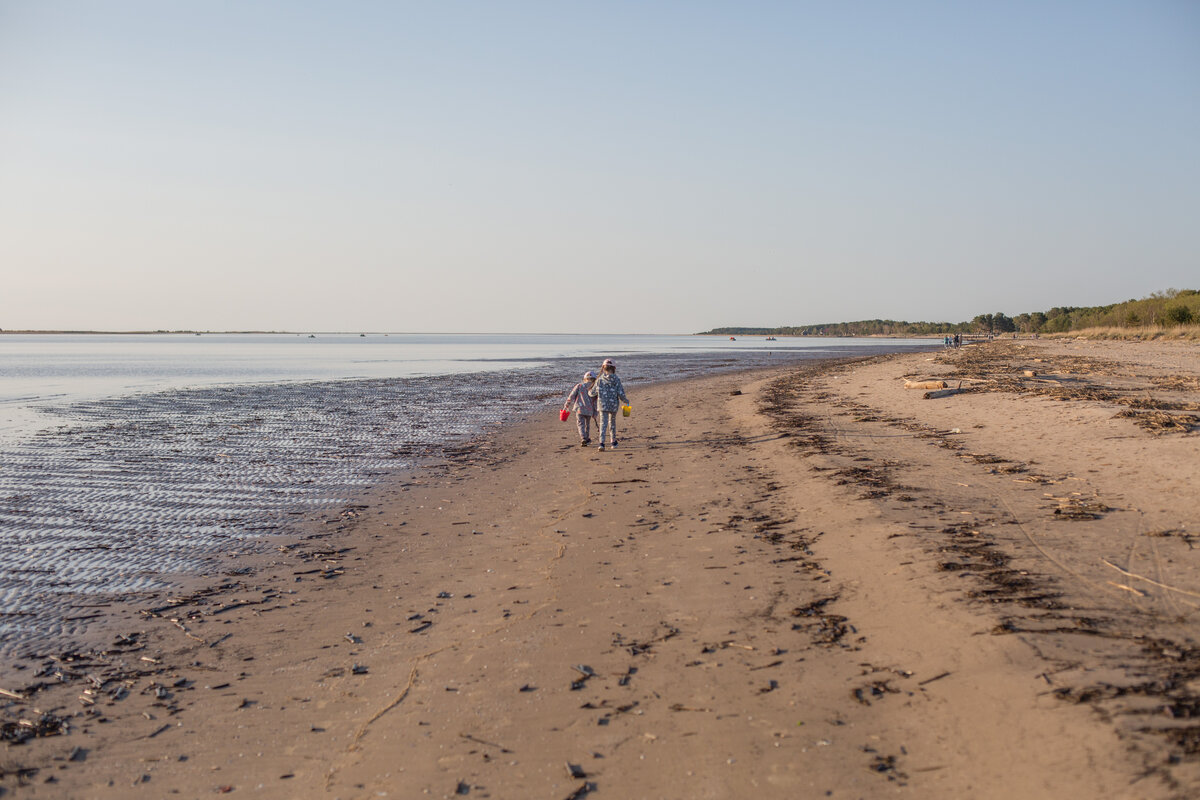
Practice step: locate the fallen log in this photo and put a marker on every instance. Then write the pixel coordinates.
(924, 384)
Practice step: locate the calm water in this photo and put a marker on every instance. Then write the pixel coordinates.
(39, 371)
(125, 460)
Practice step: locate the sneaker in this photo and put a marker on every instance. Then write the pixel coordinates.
(585, 442)
(600, 448)
(614, 444)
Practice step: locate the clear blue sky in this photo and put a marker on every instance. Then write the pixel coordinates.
(599, 167)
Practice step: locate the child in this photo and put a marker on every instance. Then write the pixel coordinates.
(585, 407)
(611, 392)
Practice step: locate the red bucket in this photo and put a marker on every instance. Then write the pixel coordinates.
(564, 415)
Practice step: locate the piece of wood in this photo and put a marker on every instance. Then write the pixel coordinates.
(934, 678)
(924, 384)
(1149, 581)
(941, 393)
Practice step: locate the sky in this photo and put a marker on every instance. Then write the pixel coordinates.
(616, 167)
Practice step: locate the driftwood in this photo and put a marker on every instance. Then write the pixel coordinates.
(941, 393)
(924, 384)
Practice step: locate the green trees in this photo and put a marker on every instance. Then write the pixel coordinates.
(1178, 315)
(1172, 307)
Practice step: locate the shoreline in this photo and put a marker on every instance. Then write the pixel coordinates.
(428, 333)
(259, 551)
(742, 581)
(128, 493)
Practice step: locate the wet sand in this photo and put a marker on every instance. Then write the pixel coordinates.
(803, 582)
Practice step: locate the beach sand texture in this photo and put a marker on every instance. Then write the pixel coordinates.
(801, 582)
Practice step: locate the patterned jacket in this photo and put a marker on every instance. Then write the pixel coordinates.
(584, 403)
(611, 392)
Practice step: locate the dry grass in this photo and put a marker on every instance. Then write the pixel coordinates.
(1158, 421)
(1148, 333)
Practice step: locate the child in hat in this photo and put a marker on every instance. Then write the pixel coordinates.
(611, 394)
(585, 407)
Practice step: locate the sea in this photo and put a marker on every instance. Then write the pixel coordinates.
(129, 461)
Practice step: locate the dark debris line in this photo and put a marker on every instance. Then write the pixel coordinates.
(1002, 367)
(1164, 671)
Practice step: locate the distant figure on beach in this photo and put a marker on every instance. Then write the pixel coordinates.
(945, 341)
(585, 407)
(611, 392)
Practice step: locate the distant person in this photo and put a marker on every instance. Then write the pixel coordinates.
(585, 407)
(611, 393)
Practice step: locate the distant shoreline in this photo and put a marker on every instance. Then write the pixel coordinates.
(424, 333)
(206, 333)
(438, 333)
(141, 333)
(834, 335)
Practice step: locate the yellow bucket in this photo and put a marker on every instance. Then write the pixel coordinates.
(626, 411)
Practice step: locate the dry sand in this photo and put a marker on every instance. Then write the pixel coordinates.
(800, 583)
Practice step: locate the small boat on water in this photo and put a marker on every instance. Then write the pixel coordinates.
(733, 338)
(770, 338)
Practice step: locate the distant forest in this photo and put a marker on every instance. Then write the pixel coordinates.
(1166, 309)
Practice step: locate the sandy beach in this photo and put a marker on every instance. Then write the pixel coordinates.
(799, 582)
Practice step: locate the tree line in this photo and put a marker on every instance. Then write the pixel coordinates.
(1168, 308)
